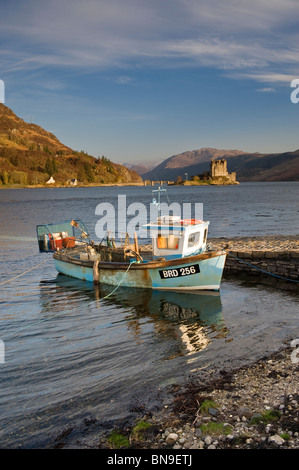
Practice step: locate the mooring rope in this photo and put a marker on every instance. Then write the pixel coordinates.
(22, 274)
(262, 270)
(119, 284)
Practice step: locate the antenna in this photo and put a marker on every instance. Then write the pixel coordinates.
(159, 191)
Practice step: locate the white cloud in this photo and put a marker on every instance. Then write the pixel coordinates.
(270, 77)
(235, 16)
(267, 90)
(254, 37)
(123, 80)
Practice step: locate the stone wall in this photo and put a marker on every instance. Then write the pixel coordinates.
(283, 264)
(277, 254)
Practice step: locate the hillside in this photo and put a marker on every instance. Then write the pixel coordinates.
(139, 168)
(249, 167)
(269, 167)
(191, 162)
(30, 155)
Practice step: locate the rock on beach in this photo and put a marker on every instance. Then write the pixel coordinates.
(257, 408)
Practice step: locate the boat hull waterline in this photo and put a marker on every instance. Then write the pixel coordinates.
(198, 272)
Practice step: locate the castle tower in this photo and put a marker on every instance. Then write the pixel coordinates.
(218, 168)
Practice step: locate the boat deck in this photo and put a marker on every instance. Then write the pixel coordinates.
(106, 254)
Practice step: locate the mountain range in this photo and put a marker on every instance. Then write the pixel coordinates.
(248, 166)
(30, 155)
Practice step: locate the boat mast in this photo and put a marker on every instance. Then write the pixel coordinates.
(159, 191)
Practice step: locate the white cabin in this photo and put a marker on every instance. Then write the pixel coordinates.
(173, 237)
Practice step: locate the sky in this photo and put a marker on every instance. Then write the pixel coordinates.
(142, 80)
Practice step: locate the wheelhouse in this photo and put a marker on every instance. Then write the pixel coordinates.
(173, 237)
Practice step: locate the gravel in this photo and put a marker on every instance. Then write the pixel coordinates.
(253, 407)
(275, 243)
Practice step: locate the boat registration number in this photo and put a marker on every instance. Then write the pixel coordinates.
(178, 272)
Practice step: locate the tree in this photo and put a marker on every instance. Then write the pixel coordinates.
(4, 177)
(54, 166)
(81, 175)
(88, 172)
(50, 166)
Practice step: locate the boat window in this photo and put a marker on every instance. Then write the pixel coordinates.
(193, 239)
(168, 243)
(205, 236)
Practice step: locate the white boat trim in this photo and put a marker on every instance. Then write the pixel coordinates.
(210, 287)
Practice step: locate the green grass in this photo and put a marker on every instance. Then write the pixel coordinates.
(285, 436)
(206, 404)
(267, 417)
(117, 440)
(139, 429)
(217, 429)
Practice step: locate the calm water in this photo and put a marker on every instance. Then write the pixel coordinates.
(70, 355)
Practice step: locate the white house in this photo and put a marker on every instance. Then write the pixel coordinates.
(72, 182)
(51, 180)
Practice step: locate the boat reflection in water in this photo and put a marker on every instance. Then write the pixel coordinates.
(188, 322)
(191, 317)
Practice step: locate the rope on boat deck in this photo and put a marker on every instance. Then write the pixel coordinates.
(118, 285)
(262, 270)
(22, 274)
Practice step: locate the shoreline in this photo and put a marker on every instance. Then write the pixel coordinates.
(57, 186)
(140, 183)
(253, 407)
(250, 407)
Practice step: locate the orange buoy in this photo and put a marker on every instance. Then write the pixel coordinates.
(190, 221)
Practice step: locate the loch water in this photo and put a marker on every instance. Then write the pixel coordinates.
(68, 356)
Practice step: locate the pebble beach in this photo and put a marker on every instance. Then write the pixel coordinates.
(254, 407)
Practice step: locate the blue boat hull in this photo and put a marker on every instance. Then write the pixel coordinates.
(81, 272)
(199, 272)
(208, 277)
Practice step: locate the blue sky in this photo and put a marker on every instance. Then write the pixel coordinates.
(141, 80)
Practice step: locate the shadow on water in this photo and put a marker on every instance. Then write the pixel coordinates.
(189, 317)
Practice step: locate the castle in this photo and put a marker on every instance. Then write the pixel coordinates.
(218, 174)
(218, 171)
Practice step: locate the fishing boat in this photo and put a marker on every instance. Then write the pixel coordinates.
(179, 258)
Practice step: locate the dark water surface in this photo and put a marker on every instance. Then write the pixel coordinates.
(70, 354)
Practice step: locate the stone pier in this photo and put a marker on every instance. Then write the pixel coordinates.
(278, 255)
